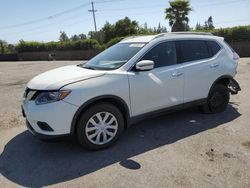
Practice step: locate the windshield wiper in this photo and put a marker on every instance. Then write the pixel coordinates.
(86, 67)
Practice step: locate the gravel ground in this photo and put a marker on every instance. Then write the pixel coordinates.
(183, 149)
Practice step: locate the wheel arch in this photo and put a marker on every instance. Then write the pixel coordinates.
(115, 100)
(224, 80)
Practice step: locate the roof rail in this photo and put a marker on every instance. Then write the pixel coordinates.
(183, 33)
(129, 37)
(191, 33)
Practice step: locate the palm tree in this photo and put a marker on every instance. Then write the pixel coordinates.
(177, 14)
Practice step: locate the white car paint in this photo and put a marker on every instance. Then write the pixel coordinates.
(148, 89)
(141, 91)
(57, 78)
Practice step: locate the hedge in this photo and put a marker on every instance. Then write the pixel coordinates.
(233, 34)
(114, 41)
(87, 44)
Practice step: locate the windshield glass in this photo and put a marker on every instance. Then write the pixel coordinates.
(114, 57)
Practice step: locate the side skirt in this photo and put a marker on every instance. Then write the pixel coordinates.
(168, 110)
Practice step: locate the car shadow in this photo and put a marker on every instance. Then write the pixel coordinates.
(28, 162)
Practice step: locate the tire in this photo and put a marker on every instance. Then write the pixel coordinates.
(217, 100)
(91, 131)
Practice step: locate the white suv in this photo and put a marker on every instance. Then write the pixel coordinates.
(132, 80)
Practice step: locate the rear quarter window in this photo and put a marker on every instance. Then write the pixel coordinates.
(214, 47)
(230, 47)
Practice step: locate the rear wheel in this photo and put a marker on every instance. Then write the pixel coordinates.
(100, 126)
(217, 100)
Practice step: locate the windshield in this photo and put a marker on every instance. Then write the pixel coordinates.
(114, 57)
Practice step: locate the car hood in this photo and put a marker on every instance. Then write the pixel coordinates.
(57, 78)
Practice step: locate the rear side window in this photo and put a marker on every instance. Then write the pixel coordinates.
(163, 54)
(214, 47)
(192, 50)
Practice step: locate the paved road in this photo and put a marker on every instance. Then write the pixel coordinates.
(183, 149)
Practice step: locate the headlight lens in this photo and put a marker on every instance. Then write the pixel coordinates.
(51, 96)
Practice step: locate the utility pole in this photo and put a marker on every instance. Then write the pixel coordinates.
(93, 11)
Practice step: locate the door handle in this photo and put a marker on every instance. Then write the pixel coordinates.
(214, 65)
(177, 74)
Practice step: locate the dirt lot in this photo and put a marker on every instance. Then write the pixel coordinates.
(184, 149)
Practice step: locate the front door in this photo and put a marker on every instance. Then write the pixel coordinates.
(161, 87)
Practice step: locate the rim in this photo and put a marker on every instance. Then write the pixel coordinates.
(216, 100)
(101, 128)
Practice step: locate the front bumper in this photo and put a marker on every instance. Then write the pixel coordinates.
(43, 136)
(49, 120)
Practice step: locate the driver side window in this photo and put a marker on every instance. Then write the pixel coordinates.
(163, 54)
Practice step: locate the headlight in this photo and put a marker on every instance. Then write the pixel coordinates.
(51, 96)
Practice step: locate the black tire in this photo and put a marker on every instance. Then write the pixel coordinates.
(86, 116)
(217, 100)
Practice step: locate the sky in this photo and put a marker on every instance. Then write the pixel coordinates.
(42, 20)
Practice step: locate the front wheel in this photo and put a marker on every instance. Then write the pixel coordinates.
(217, 100)
(100, 126)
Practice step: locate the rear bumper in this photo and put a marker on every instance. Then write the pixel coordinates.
(234, 87)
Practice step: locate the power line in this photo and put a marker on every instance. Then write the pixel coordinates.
(46, 26)
(112, 16)
(55, 15)
(220, 3)
(232, 21)
(133, 8)
(45, 18)
(49, 31)
(99, 2)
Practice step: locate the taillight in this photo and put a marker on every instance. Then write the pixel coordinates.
(236, 57)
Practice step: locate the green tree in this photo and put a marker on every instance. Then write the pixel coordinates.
(78, 37)
(3, 47)
(6, 48)
(99, 36)
(63, 37)
(74, 38)
(108, 32)
(11, 48)
(177, 14)
(210, 23)
(198, 26)
(126, 27)
(82, 36)
(161, 29)
(121, 28)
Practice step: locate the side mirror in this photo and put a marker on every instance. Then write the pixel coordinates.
(144, 65)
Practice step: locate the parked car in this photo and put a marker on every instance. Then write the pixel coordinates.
(132, 80)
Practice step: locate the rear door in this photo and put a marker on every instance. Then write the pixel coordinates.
(200, 68)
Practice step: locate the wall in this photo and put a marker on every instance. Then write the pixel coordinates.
(8, 57)
(57, 55)
(242, 48)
